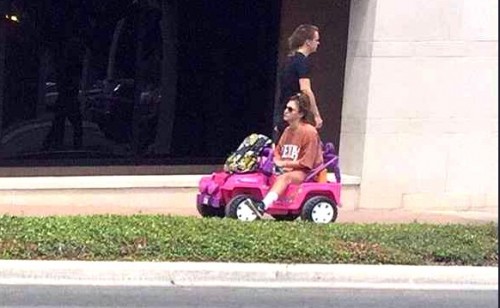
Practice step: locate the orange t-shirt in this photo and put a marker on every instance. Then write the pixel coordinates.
(302, 145)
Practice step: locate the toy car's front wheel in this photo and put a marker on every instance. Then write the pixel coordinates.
(237, 208)
(319, 209)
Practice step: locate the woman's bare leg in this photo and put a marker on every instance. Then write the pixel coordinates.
(279, 186)
(282, 181)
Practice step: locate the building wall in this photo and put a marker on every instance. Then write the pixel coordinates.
(420, 109)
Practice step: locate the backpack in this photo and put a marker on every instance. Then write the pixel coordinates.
(246, 157)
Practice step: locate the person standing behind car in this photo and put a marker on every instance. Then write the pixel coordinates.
(295, 75)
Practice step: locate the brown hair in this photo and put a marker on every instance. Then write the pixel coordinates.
(304, 104)
(300, 35)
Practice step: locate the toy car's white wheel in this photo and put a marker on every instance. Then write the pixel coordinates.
(319, 209)
(237, 208)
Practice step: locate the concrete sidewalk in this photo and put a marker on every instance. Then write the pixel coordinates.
(248, 275)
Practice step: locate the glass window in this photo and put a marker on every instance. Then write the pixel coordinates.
(123, 82)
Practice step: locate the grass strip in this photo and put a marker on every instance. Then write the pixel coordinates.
(173, 238)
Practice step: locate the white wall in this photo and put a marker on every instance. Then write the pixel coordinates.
(420, 117)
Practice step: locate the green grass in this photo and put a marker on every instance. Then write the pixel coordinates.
(167, 238)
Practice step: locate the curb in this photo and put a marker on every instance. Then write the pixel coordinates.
(246, 275)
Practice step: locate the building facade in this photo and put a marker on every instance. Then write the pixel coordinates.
(408, 91)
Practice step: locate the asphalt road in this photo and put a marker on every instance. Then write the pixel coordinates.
(98, 296)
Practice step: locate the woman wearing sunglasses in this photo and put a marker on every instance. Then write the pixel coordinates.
(297, 152)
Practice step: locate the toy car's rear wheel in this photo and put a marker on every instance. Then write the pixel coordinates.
(286, 217)
(237, 208)
(319, 209)
(209, 211)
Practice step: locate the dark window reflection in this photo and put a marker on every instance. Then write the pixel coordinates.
(127, 82)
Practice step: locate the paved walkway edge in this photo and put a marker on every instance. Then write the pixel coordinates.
(247, 274)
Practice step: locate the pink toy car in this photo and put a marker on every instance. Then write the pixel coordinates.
(223, 195)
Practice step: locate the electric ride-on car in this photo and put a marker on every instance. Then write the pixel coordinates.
(223, 194)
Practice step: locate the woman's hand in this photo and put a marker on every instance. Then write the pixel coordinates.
(319, 121)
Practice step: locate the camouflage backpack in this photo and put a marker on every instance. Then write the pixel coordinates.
(246, 157)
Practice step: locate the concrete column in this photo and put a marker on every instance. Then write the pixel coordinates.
(420, 113)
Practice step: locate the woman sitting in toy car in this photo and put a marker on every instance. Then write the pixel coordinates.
(298, 151)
